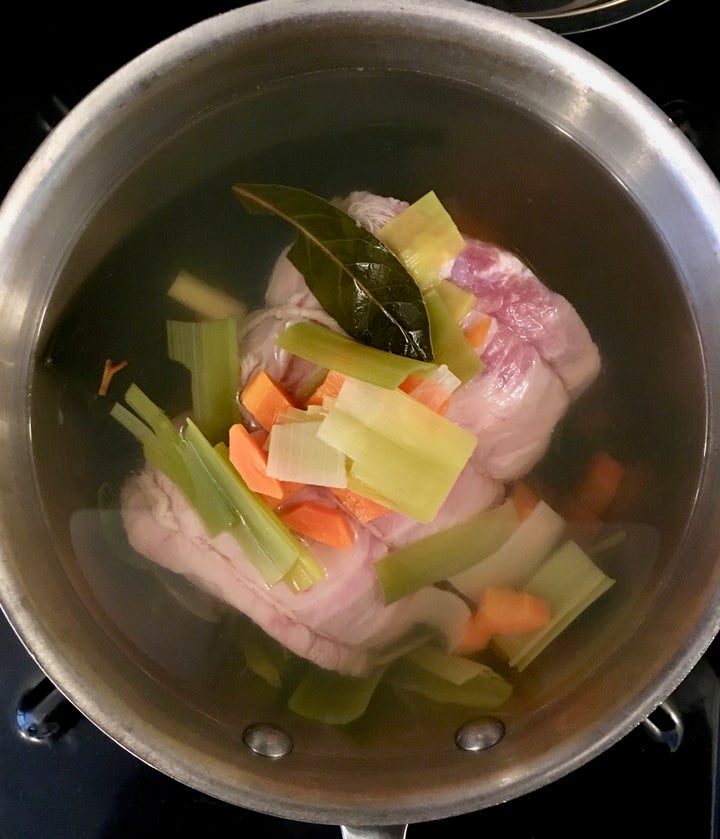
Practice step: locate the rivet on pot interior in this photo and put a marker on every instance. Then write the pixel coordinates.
(479, 734)
(267, 740)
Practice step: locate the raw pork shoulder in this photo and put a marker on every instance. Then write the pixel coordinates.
(538, 356)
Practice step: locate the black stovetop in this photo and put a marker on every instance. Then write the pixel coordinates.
(81, 784)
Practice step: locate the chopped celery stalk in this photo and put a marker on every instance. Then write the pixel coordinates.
(453, 668)
(334, 351)
(570, 582)
(303, 574)
(209, 503)
(400, 449)
(459, 301)
(164, 448)
(272, 537)
(445, 553)
(296, 453)
(209, 350)
(206, 301)
(147, 410)
(512, 565)
(487, 690)
(332, 698)
(424, 238)
(449, 342)
(140, 430)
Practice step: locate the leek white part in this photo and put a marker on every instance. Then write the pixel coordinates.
(442, 611)
(570, 581)
(512, 565)
(296, 453)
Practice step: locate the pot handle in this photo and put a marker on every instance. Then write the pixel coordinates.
(391, 831)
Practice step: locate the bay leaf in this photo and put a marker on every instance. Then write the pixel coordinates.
(354, 276)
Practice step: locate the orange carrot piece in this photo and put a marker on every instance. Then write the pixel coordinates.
(476, 637)
(288, 488)
(477, 332)
(511, 611)
(410, 382)
(330, 387)
(265, 399)
(601, 482)
(250, 459)
(434, 396)
(329, 525)
(524, 498)
(364, 509)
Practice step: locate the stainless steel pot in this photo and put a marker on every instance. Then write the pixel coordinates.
(543, 148)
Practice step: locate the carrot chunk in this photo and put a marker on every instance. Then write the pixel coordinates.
(287, 488)
(250, 459)
(476, 637)
(477, 333)
(330, 387)
(364, 509)
(512, 612)
(431, 394)
(524, 498)
(263, 397)
(601, 482)
(329, 525)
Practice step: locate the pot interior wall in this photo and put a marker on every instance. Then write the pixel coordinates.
(506, 176)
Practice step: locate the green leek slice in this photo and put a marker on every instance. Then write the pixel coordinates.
(450, 344)
(445, 553)
(407, 454)
(333, 698)
(488, 690)
(570, 581)
(459, 301)
(209, 350)
(334, 351)
(424, 238)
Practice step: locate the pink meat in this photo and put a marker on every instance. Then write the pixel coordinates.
(335, 623)
(508, 290)
(538, 357)
(511, 406)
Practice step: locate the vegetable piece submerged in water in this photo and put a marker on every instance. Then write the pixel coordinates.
(424, 453)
